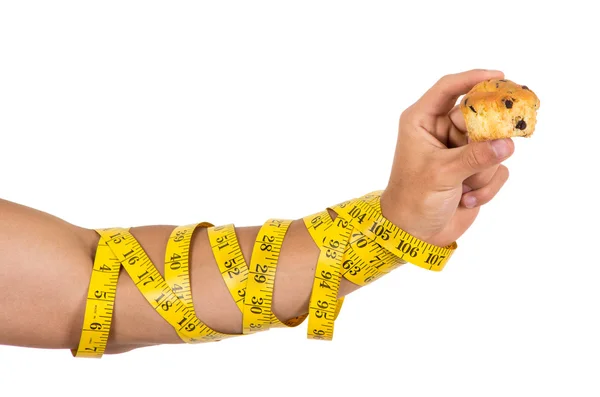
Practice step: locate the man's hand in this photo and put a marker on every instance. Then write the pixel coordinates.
(438, 179)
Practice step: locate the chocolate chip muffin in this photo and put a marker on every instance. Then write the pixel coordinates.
(496, 109)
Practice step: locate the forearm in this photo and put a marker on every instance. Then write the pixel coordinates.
(45, 267)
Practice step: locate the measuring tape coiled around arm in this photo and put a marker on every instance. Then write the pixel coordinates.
(155, 289)
(234, 270)
(360, 245)
(230, 260)
(365, 218)
(177, 258)
(365, 260)
(257, 314)
(100, 303)
(323, 305)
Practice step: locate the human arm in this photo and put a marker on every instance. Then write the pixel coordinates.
(45, 263)
(46, 267)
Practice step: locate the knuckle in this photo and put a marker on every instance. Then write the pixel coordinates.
(484, 200)
(444, 82)
(489, 191)
(504, 173)
(444, 79)
(407, 115)
(485, 194)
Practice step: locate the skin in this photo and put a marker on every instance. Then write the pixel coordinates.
(437, 184)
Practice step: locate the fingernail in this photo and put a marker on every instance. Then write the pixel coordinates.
(469, 201)
(466, 188)
(500, 148)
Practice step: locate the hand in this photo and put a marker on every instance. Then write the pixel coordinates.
(439, 180)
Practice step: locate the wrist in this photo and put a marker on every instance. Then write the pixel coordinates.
(401, 215)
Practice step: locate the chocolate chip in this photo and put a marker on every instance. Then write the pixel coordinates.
(521, 125)
(504, 81)
(508, 103)
(473, 109)
(466, 101)
(524, 87)
(497, 85)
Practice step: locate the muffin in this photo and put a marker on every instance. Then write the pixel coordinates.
(495, 109)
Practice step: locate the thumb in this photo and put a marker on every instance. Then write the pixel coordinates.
(475, 157)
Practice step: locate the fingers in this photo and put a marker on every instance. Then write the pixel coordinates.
(457, 118)
(480, 179)
(485, 194)
(440, 98)
(464, 161)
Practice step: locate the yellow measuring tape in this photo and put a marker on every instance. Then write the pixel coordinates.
(100, 303)
(368, 220)
(359, 245)
(257, 314)
(231, 263)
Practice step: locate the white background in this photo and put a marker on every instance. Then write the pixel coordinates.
(125, 113)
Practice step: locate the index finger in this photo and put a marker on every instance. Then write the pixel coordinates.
(457, 134)
(440, 98)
